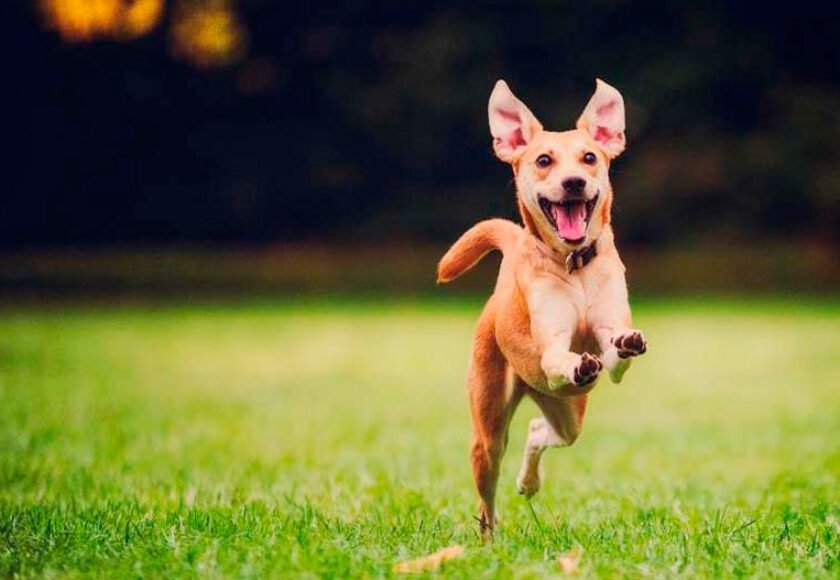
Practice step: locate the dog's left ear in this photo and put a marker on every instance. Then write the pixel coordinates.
(603, 119)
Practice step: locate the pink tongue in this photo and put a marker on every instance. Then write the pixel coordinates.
(570, 220)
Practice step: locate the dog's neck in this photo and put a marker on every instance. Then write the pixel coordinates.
(573, 260)
(529, 221)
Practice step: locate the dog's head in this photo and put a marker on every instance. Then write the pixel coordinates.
(562, 179)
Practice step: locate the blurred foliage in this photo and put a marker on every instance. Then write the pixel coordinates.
(392, 269)
(359, 122)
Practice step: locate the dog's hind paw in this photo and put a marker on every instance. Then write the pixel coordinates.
(528, 483)
(630, 344)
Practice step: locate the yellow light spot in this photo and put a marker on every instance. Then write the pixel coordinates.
(87, 20)
(206, 34)
(140, 17)
(80, 20)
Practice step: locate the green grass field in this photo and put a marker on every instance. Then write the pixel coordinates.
(330, 439)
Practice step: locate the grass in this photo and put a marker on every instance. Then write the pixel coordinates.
(330, 439)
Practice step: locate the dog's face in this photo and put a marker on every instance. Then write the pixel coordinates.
(562, 179)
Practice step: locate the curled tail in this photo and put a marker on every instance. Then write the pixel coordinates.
(483, 237)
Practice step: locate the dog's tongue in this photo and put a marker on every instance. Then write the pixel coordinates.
(570, 219)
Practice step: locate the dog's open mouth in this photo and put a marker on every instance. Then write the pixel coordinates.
(569, 217)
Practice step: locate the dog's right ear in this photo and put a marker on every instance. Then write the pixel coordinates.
(512, 125)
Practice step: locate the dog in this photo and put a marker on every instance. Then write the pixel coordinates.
(559, 313)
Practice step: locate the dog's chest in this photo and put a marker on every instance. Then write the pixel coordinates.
(574, 292)
(514, 331)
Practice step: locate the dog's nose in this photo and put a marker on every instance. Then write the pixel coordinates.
(574, 185)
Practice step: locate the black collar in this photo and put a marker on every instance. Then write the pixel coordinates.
(580, 258)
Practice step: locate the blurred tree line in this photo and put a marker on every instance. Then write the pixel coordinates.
(359, 121)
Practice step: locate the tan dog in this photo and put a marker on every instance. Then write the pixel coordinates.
(559, 313)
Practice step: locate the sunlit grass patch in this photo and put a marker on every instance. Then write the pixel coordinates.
(331, 438)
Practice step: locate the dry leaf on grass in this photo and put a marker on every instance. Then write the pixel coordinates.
(569, 561)
(430, 562)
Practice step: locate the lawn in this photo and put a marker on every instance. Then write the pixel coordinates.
(330, 439)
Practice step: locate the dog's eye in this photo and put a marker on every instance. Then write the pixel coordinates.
(544, 160)
(589, 158)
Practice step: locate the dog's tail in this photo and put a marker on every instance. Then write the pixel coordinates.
(483, 237)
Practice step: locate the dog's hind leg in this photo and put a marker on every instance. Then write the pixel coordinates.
(559, 427)
(494, 396)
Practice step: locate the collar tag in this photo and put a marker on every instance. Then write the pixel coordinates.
(580, 258)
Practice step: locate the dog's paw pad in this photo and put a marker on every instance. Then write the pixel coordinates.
(587, 371)
(630, 344)
(528, 485)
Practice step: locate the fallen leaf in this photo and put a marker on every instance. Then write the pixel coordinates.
(569, 561)
(430, 562)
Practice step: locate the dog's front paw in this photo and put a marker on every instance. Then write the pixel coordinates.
(625, 347)
(587, 370)
(630, 344)
(569, 373)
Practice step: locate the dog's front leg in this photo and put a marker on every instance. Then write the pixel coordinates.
(611, 322)
(554, 319)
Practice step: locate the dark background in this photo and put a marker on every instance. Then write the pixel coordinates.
(358, 121)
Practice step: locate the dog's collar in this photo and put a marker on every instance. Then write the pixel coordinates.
(580, 258)
(575, 260)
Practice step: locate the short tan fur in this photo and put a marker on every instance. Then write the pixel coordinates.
(547, 331)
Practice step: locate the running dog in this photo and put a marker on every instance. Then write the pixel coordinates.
(559, 313)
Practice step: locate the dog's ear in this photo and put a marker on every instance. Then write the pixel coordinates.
(512, 125)
(603, 119)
